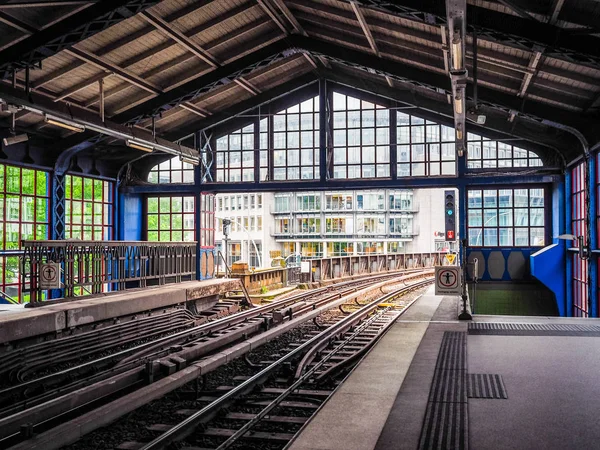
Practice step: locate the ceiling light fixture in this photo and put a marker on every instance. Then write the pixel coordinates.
(186, 159)
(17, 139)
(57, 121)
(139, 146)
(457, 56)
(458, 104)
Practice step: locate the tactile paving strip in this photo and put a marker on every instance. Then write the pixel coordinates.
(533, 329)
(446, 425)
(485, 385)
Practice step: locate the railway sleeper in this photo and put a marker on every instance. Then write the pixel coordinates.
(260, 435)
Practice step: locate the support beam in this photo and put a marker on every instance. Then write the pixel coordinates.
(242, 107)
(495, 26)
(206, 83)
(17, 24)
(171, 31)
(274, 17)
(67, 32)
(431, 81)
(536, 57)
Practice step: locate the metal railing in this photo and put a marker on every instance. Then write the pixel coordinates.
(100, 266)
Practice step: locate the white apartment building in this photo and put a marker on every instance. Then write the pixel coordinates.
(249, 239)
(324, 224)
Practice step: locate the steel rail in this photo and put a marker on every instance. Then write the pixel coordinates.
(187, 426)
(164, 344)
(309, 373)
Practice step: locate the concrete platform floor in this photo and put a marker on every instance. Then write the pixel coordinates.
(552, 382)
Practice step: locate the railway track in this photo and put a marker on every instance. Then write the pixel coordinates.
(55, 397)
(269, 407)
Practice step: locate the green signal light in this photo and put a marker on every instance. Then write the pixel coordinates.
(449, 212)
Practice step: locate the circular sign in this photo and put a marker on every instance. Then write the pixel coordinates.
(448, 279)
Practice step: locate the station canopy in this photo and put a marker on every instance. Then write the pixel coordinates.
(175, 67)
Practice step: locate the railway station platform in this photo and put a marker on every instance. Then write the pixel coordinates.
(498, 382)
(53, 317)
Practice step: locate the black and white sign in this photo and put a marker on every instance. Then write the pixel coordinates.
(447, 280)
(50, 275)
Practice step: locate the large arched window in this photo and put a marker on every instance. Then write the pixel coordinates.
(484, 153)
(361, 138)
(172, 171)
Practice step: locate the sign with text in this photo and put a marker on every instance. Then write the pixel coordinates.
(447, 280)
(50, 275)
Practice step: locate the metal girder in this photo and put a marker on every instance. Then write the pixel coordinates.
(435, 82)
(219, 77)
(498, 27)
(75, 28)
(243, 106)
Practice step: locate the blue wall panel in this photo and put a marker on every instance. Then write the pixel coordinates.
(130, 217)
(548, 266)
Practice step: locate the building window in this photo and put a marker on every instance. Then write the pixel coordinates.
(338, 225)
(296, 142)
(24, 208)
(282, 203)
(506, 217)
(340, 248)
(235, 156)
(401, 201)
(402, 226)
(370, 202)
(282, 226)
(483, 153)
(172, 171)
(425, 148)
(308, 202)
(170, 219)
(254, 251)
(366, 248)
(207, 220)
(311, 249)
(88, 208)
(370, 225)
(361, 138)
(337, 202)
(308, 225)
(234, 252)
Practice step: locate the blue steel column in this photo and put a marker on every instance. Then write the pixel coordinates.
(569, 261)
(323, 124)
(58, 205)
(593, 261)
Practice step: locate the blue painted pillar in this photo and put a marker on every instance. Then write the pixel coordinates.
(569, 261)
(593, 261)
(58, 206)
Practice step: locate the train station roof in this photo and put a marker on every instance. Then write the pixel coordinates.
(178, 66)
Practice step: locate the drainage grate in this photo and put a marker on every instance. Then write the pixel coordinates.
(533, 329)
(485, 385)
(446, 425)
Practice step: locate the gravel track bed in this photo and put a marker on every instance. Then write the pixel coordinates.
(132, 427)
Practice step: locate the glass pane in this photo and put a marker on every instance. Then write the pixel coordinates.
(475, 238)
(490, 237)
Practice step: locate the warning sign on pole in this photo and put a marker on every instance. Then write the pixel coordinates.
(50, 275)
(450, 257)
(447, 280)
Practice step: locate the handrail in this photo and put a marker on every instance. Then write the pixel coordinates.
(68, 242)
(97, 266)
